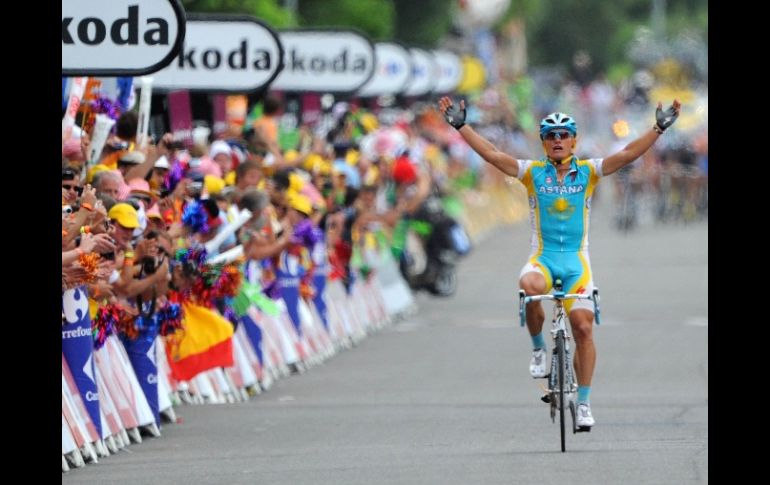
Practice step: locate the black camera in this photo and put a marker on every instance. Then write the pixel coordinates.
(148, 265)
(175, 145)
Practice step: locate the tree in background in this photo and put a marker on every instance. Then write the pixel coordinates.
(423, 23)
(373, 17)
(269, 11)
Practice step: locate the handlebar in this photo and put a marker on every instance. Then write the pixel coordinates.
(524, 300)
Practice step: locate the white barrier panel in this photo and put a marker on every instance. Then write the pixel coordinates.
(67, 441)
(72, 419)
(76, 419)
(335, 303)
(113, 376)
(247, 365)
(111, 424)
(289, 337)
(310, 315)
(220, 384)
(374, 291)
(250, 353)
(336, 323)
(79, 408)
(273, 359)
(309, 332)
(344, 305)
(204, 387)
(395, 292)
(164, 369)
(358, 305)
(164, 391)
(135, 393)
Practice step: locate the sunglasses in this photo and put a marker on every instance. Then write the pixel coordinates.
(76, 188)
(554, 135)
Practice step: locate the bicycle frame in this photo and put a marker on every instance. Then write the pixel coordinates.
(562, 384)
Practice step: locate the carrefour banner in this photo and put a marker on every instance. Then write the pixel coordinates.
(393, 71)
(450, 71)
(425, 73)
(77, 345)
(325, 61)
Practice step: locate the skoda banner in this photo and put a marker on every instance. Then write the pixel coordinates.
(450, 71)
(225, 53)
(325, 61)
(425, 73)
(77, 345)
(393, 71)
(119, 37)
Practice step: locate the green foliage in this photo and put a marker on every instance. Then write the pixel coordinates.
(269, 11)
(422, 23)
(619, 72)
(373, 17)
(556, 29)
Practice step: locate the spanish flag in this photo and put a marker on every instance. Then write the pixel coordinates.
(204, 342)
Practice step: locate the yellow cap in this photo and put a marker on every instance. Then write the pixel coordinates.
(352, 157)
(125, 215)
(312, 162)
(295, 182)
(299, 202)
(213, 184)
(94, 170)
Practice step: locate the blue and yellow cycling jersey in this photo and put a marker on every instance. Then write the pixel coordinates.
(560, 212)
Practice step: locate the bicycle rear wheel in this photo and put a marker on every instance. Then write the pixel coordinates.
(560, 351)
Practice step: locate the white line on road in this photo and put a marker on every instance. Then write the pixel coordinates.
(697, 321)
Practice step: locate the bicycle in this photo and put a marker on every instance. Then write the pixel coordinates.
(561, 378)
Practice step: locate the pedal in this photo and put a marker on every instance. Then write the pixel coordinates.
(583, 429)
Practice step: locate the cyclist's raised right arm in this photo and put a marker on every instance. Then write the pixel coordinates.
(504, 162)
(456, 117)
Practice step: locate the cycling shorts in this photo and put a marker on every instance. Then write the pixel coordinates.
(572, 268)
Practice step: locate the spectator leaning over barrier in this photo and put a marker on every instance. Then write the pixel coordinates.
(124, 220)
(257, 235)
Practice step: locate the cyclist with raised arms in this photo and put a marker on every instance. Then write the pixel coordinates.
(559, 188)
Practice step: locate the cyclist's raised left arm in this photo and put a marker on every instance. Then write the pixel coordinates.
(629, 153)
(636, 148)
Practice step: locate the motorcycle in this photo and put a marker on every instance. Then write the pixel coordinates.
(433, 244)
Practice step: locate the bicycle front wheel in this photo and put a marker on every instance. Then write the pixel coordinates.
(561, 352)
